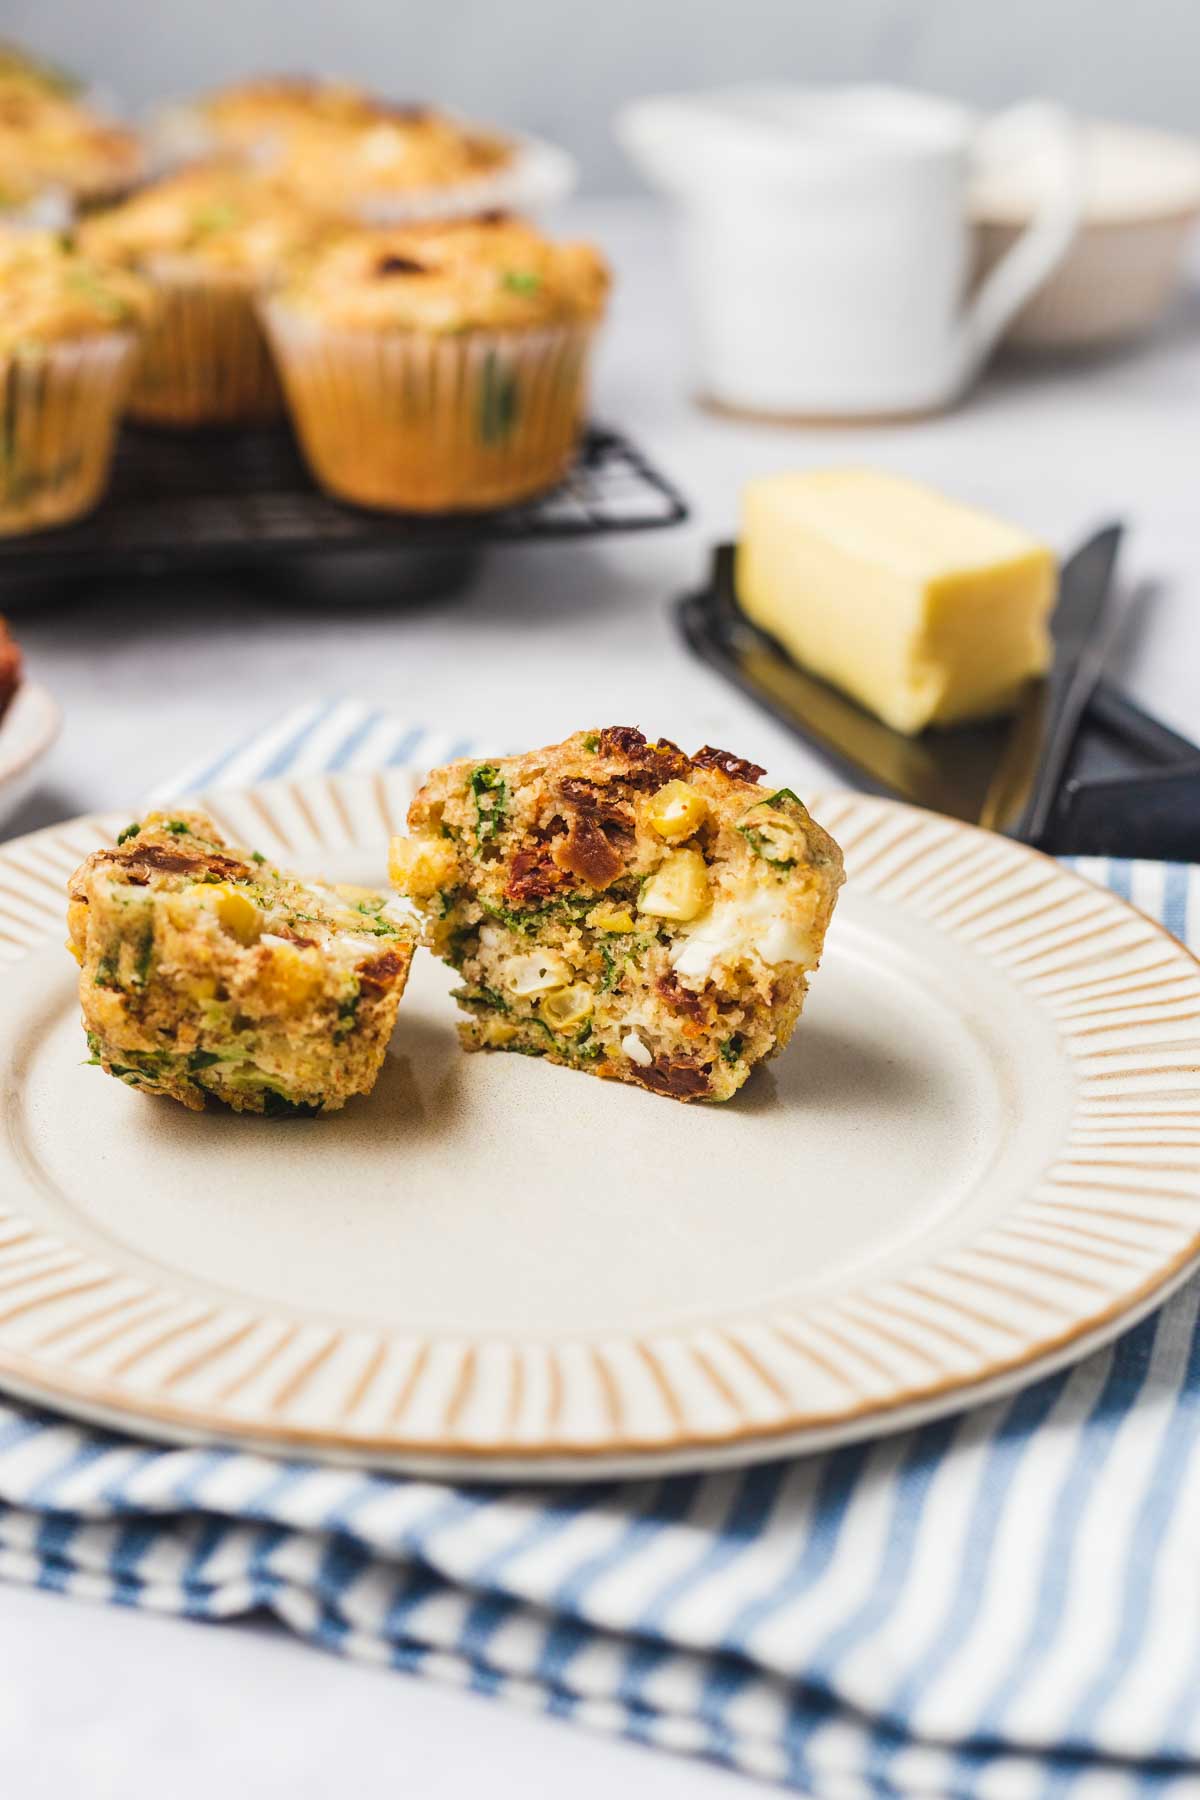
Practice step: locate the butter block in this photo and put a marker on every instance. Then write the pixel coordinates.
(924, 611)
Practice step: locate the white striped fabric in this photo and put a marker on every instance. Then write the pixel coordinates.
(999, 1604)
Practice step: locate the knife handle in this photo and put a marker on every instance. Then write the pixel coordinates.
(1156, 815)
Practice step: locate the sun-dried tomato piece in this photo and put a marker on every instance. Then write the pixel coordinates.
(736, 767)
(675, 1076)
(382, 970)
(647, 765)
(681, 999)
(586, 853)
(533, 876)
(143, 860)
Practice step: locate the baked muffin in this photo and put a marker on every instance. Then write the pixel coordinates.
(622, 908)
(338, 146)
(208, 239)
(53, 144)
(204, 971)
(68, 343)
(399, 164)
(438, 367)
(252, 120)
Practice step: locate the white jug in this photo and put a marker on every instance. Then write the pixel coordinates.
(828, 242)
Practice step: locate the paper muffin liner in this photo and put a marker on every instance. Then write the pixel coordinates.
(204, 358)
(414, 421)
(59, 409)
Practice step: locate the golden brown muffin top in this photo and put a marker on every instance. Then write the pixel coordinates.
(490, 273)
(52, 293)
(394, 153)
(245, 114)
(227, 220)
(334, 142)
(49, 140)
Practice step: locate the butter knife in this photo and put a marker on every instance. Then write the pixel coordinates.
(1026, 783)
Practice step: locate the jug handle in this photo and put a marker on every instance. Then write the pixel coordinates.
(1045, 241)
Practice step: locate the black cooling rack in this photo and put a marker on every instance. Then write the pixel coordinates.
(199, 501)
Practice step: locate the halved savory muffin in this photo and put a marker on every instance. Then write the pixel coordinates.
(620, 907)
(207, 971)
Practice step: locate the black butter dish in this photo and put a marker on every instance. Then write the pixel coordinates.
(1131, 788)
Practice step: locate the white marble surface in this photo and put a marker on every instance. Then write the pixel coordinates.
(105, 1703)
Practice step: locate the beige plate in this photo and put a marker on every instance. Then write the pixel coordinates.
(979, 1157)
(28, 728)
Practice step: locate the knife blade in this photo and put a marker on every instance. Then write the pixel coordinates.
(1025, 785)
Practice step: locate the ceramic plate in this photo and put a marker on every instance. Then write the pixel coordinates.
(28, 728)
(980, 1156)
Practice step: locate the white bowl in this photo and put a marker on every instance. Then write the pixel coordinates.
(1141, 208)
(27, 730)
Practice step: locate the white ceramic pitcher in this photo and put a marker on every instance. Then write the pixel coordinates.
(828, 244)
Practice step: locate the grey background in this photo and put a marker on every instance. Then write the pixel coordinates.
(561, 67)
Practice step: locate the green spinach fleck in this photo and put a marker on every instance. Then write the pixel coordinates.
(106, 973)
(498, 404)
(521, 281)
(278, 1106)
(491, 802)
(766, 839)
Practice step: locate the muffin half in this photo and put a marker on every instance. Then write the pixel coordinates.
(619, 907)
(442, 367)
(69, 331)
(205, 971)
(208, 240)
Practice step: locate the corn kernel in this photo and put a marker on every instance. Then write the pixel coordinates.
(567, 1006)
(238, 914)
(199, 987)
(419, 866)
(289, 977)
(77, 923)
(498, 1032)
(610, 918)
(676, 811)
(678, 889)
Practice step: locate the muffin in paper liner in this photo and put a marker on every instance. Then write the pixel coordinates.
(346, 150)
(204, 359)
(412, 421)
(207, 240)
(60, 404)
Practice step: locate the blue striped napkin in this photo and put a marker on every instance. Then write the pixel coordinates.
(1003, 1603)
